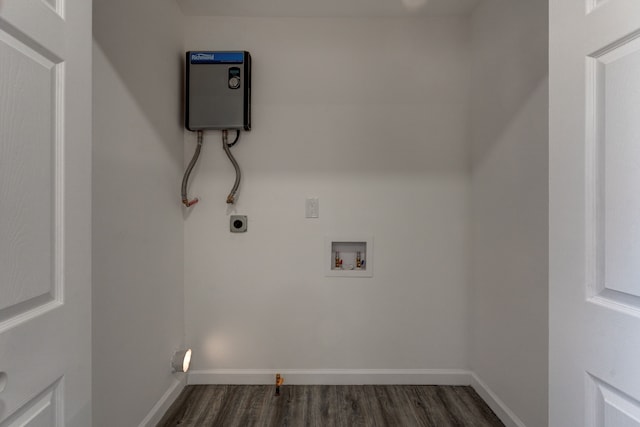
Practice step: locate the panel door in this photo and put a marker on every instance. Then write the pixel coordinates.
(595, 213)
(45, 212)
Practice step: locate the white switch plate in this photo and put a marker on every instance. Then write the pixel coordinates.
(312, 207)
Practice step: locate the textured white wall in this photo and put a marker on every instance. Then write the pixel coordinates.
(509, 204)
(138, 315)
(369, 115)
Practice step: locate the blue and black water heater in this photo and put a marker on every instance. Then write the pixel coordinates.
(218, 90)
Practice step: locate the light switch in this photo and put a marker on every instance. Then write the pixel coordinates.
(312, 207)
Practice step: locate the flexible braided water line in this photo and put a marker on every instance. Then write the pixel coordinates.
(185, 180)
(231, 198)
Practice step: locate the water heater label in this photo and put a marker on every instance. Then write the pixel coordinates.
(217, 57)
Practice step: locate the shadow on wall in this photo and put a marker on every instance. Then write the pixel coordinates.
(509, 204)
(511, 69)
(146, 52)
(349, 103)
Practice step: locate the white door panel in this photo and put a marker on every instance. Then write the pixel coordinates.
(611, 407)
(45, 200)
(27, 174)
(620, 164)
(44, 410)
(37, 23)
(594, 213)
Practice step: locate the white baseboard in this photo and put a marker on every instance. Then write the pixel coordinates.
(496, 404)
(332, 376)
(155, 415)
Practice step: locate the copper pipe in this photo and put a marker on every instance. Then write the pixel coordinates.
(279, 381)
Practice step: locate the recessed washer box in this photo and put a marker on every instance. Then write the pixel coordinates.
(348, 256)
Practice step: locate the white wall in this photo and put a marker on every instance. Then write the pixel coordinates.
(509, 204)
(138, 315)
(370, 116)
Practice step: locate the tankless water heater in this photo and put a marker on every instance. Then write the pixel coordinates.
(218, 90)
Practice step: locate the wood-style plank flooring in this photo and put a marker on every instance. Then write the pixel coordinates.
(329, 405)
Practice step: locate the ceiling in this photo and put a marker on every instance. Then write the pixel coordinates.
(327, 8)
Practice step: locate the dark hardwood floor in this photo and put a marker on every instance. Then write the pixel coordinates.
(329, 405)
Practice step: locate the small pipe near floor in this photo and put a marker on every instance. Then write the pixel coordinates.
(279, 381)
